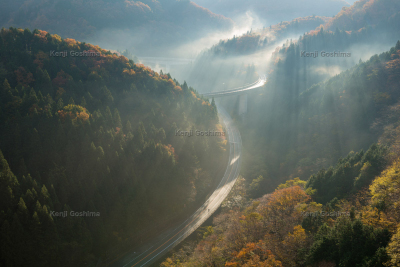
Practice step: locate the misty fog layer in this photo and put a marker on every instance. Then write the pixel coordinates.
(118, 24)
(271, 12)
(300, 170)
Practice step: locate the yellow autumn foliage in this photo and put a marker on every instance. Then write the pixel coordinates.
(385, 190)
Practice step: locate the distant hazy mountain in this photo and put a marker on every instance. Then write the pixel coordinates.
(271, 11)
(163, 23)
(367, 13)
(259, 39)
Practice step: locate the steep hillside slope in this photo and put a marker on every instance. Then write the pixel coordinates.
(259, 39)
(83, 130)
(364, 29)
(304, 131)
(272, 12)
(231, 62)
(347, 213)
(366, 13)
(162, 23)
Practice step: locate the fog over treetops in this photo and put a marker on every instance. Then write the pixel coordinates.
(168, 25)
(116, 24)
(272, 12)
(102, 103)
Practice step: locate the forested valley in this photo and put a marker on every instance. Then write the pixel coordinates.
(311, 161)
(93, 134)
(320, 178)
(342, 213)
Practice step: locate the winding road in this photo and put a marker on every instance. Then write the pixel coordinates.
(149, 253)
(237, 91)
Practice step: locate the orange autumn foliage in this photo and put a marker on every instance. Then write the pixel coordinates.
(129, 72)
(71, 42)
(42, 36)
(283, 201)
(292, 241)
(194, 95)
(75, 113)
(254, 254)
(171, 151)
(137, 5)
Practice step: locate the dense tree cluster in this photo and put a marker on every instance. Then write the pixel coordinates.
(367, 13)
(300, 125)
(98, 134)
(256, 40)
(288, 228)
(366, 23)
(307, 118)
(295, 133)
(349, 244)
(351, 173)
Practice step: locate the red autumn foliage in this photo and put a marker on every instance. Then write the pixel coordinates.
(61, 79)
(171, 151)
(23, 77)
(40, 58)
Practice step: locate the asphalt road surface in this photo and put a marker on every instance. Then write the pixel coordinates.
(149, 253)
(153, 251)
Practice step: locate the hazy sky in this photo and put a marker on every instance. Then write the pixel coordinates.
(272, 11)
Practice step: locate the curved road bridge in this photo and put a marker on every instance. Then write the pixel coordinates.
(149, 253)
